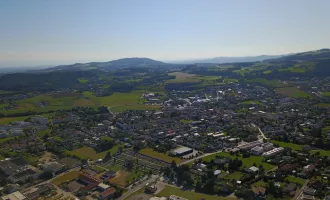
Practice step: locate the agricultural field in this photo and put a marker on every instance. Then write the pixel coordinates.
(181, 77)
(154, 154)
(64, 178)
(247, 162)
(292, 92)
(270, 83)
(82, 80)
(296, 147)
(168, 191)
(7, 120)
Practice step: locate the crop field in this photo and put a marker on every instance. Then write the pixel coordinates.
(64, 178)
(87, 153)
(154, 154)
(292, 92)
(181, 77)
(247, 162)
(168, 191)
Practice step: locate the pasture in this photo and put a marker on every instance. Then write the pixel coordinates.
(292, 92)
(296, 147)
(86, 153)
(181, 77)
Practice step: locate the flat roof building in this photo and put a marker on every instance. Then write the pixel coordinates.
(182, 151)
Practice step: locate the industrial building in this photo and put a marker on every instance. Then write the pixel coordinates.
(250, 145)
(182, 151)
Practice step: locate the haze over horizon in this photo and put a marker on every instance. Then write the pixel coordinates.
(40, 33)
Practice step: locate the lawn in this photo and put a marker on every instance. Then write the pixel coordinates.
(247, 162)
(168, 191)
(292, 92)
(150, 152)
(235, 175)
(260, 183)
(296, 147)
(64, 178)
(325, 153)
(2, 140)
(181, 77)
(43, 132)
(295, 180)
(87, 153)
(326, 94)
(134, 175)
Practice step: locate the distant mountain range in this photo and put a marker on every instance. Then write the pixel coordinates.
(221, 60)
(154, 64)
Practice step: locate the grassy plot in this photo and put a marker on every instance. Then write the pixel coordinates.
(168, 191)
(235, 175)
(251, 102)
(296, 147)
(64, 178)
(154, 154)
(7, 120)
(322, 105)
(326, 94)
(292, 92)
(82, 80)
(325, 153)
(86, 153)
(270, 83)
(247, 162)
(181, 77)
(295, 180)
(43, 132)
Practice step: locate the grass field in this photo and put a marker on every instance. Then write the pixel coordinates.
(322, 152)
(326, 94)
(296, 147)
(270, 83)
(82, 80)
(7, 120)
(64, 178)
(2, 140)
(295, 180)
(251, 102)
(120, 179)
(181, 77)
(247, 162)
(168, 191)
(150, 152)
(292, 92)
(235, 175)
(260, 183)
(87, 153)
(118, 102)
(322, 105)
(43, 132)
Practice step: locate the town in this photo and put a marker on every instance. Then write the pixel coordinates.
(228, 141)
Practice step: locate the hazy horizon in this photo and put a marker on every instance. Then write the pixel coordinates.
(51, 33)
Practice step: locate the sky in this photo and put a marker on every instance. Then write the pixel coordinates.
(48, 33)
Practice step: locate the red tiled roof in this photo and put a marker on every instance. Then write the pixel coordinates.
(108, 192)
(88, 178)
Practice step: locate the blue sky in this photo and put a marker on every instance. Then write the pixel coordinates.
(64, 32)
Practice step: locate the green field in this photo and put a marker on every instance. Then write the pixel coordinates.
(247, 162)
(326, 94)
(270, 83)
(64, 178)
(150, 152)
(325, 153)
(86, 153)
(235, 175)
(43, 132)
(82, 80)
(296, 147)
(322, 105)
(295, 180)
(168, 191)
(251, 102)
(292, 92)
(181, 77)
(118, 102)
(7, 120)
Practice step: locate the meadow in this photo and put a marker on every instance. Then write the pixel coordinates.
(154, 154)
(292, 92)
(296, 147)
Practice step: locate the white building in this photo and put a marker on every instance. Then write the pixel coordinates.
(267, 146)
(273, 152)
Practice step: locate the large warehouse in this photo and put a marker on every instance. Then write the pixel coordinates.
(182, 151)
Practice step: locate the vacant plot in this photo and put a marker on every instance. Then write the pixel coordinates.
(247, 162)
(296, 147)
(154, 154)
(295, 180)
(168, 191)
(120, 179)
(65, 178)
(292, 92)
(181, 77)
(87, 153)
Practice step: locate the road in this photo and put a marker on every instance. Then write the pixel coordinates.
(130, 191)
(300, 191)
(199, 157)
